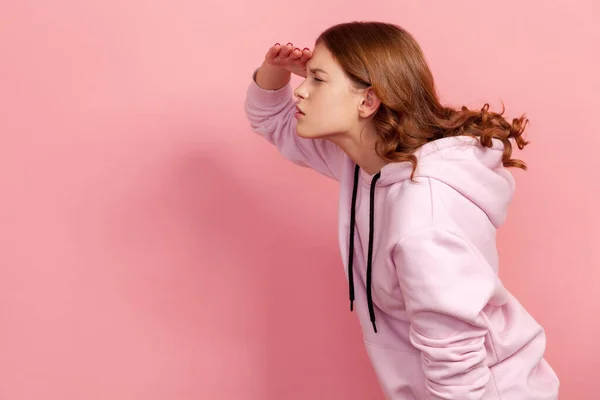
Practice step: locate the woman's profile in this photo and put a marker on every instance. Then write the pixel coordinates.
(423, 189)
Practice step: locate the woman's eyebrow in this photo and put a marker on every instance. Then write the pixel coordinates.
(315, 70)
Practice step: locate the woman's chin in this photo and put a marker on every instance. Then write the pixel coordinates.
(303, 133)
(307, 134)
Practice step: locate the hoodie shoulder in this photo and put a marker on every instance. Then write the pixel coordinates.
(412, 206)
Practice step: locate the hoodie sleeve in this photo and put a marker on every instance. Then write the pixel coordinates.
(446, 286)
(271, 115)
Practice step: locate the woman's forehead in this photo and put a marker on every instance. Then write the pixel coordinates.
(322, 61)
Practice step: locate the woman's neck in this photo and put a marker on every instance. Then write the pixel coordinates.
(361, 150)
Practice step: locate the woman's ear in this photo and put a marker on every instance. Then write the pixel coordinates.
(370, 103)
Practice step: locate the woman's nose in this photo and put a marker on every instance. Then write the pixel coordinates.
(300, 93)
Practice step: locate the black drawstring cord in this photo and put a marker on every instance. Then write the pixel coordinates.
(370, 253)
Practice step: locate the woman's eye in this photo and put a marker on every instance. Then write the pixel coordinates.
(318, 80)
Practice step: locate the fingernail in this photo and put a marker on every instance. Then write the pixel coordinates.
(277, 44)
(306, 48)
(289, 44)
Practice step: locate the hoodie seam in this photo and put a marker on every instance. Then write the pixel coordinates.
(453, 142)
(430, 201)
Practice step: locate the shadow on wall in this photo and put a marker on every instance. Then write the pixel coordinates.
(242, 282)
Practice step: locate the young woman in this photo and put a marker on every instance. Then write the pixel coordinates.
(423, 189)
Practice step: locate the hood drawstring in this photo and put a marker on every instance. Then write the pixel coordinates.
(370, 254)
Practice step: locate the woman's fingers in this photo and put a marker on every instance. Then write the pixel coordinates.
(286, 50)
(306, 54)
(289, 57)
(296, 54)
(273, 51)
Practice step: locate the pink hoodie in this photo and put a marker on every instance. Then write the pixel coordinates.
(437, 321)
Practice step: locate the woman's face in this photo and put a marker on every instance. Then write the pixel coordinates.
(327, 99)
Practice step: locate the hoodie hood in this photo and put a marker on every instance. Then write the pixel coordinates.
(475, 171)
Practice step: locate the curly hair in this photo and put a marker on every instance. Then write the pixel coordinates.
(387, 59)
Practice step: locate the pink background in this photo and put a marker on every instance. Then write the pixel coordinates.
(123, 133)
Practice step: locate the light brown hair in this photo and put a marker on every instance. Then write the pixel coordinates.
(387, 58)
